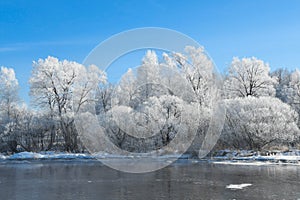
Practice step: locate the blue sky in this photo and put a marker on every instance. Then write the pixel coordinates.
(70, 29)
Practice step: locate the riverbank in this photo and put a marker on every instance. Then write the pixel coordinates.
(219, 157)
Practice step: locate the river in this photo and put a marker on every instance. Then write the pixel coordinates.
(37, 180)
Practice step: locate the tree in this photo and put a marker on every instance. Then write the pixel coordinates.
(283, 77)
(198, 70)
(126, 88)
(255, 122)
(133, 112)
(149, 69)
(249, 77)
(63, 88)
(28, 129)
(9, 100)
(291, 91)
(103, 99)
(149, 106)
(9, 87)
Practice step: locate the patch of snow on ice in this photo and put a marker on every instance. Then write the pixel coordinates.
(252, 163)
(69, 156)
(288, 158)
(2, 157)
(26, 155)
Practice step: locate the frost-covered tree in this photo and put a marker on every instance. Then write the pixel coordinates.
(151, 127)
(255, 122)
(103, 98)
(63, 88)
(249, 77)
(133, 112)
(28, 128)
(127, 87)
(9, 100)
(198, 69)
(9, 87)
(283, 77)
(148, 75)
(148, 106)
(149, 69)
(291, 91)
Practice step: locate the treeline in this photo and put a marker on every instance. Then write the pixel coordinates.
(167, 96)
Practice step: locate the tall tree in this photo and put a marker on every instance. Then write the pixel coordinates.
(198, 69)
(147, 105)
(249, 77)
(63, 88)
(291, 91)
(283, 77)
(9, 87)
(9, 100)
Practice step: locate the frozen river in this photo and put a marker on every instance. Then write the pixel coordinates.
(182, 180)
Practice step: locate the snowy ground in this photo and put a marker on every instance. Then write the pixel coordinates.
(244, 157)
(45, 155)
(50, 155)
(221, 157)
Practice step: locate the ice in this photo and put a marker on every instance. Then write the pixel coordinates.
(25, 155)
(46, 155)
(254, 158)
(238, 186)
(2, 157)
(252, 163)
(70, 156)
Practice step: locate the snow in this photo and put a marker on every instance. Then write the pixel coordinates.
(281, 158)
(70, 156)
(252, 163)
(50, 155)
(25, 155)
(223, 157)
(45, 155)
(245, 157)
(238, 186)
(2, 157)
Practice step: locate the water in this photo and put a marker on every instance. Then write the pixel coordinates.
(184, 180)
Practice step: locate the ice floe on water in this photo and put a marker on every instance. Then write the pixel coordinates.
(238, 186)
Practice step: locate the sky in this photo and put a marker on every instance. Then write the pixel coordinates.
(70, 29)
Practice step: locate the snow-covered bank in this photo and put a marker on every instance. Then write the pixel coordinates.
(221, 157)
(45, 156)
(255, 158)
(50, 155)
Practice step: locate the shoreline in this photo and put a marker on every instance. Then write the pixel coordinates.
(242, 157)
